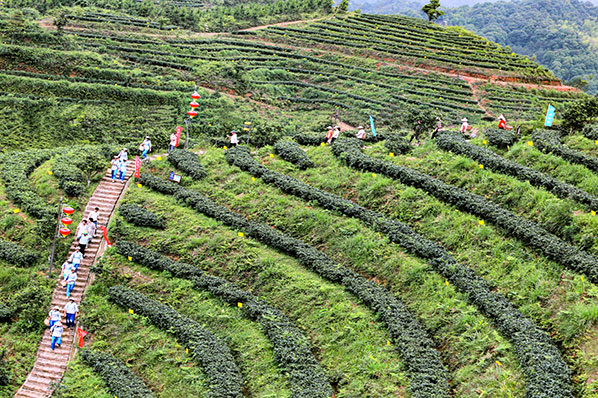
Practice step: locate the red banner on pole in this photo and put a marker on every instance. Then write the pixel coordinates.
(179, 130)
(105, 233)
(81, 333)
(137, 167)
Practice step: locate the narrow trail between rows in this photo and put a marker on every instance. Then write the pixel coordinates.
(49, 366)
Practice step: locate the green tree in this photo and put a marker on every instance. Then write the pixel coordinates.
(60, 20)
(343, 6)
(432, 11)
(580, 113)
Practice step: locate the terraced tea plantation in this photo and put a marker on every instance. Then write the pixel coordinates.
(285, 266)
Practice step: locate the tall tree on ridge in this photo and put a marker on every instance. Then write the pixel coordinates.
(432, 11)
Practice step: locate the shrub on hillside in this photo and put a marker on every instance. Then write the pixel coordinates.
(120, 380)
(501, 138)
(140, 216)
(188, 162)
(549, 141)
(5, 312)
(397, 144)
(591, 131)
(292, 152)
(15, 254)
(75, 168)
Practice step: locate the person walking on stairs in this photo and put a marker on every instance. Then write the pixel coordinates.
(115, 165)
(94, 216)
(122, 170)
(172, 144)
(70, 283)
(76, 259)
(71, 310)
(83, 239)
(67, 267)
(56, 331)
(146, 146)
(123, 155)
(54, 315)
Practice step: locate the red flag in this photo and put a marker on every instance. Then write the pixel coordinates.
(137, 167)
(179, 130)
(81, 333)
(105, 232)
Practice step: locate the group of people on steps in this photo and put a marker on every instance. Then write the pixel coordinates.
(121, 161)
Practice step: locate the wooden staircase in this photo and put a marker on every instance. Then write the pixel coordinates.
(50, 365)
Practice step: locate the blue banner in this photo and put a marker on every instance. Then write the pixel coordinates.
(373, 127)
(549, 116)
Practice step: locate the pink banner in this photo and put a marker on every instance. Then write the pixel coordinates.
(179, 130)
(137, 167)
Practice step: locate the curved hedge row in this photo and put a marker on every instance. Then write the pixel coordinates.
(15, 171)
(188, 162)
(120, 380)
(501, 138)
(428, 377)
(530, 233)
(291, 348)
(291, 152)
(454, 142)
(140, 216)
(547, 374)
(15, 254)
(216, 360)
(550, 142)
(74, 167)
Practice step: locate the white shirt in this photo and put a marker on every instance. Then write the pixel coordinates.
(76, 258)
(71, 278)
(54, 315)
(464, 127)
(336, 133)
(147, 144)
(67, 267)
(234, 139)
(84, 239)
(71, 308)
(114, 164)
(57, 331)
(94, 215)
(123, 166)
(361, 134)
(124, 155)
(173, 139)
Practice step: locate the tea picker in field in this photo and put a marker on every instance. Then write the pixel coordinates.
(466, 128)
(418, 129)
(360, 133)
(329, 133)
(234, 139)
(54, 315)
(70, 310)
(56, 331)
(335, 133)
(438, 127)
(502, 123)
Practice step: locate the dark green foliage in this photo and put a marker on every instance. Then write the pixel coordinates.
(527, 231)
(5, 313)
(397, 144)
(309, 139)
(591, 131)
(432, 11)
(188, 162)
(14, 171)
(291, 348)
(548, 375)
(501, 138)
(75, 168)
(15, 254)
(454, 142)
(549, 141)
(120, 380)
(428, 377)
(4, 371)
(580, 113)
(212, 354)
(140, 216)
(292, 152)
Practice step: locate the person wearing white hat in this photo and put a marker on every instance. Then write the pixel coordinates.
(56, 331)
(146, 146)
(234, 140)
(465, 127)
(335, 133)
(360, 133)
